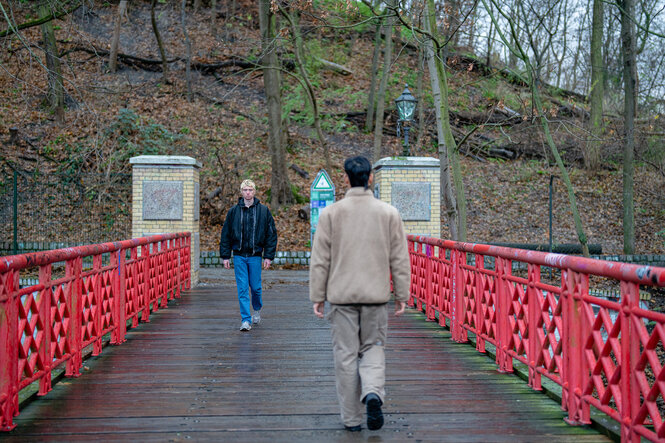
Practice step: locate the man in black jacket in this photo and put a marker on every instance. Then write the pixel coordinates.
(249, 233)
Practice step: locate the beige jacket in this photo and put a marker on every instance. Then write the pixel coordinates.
(359, 242)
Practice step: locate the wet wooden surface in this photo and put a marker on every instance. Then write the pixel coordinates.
(191, 375)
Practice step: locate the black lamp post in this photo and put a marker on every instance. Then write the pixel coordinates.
(406, 107)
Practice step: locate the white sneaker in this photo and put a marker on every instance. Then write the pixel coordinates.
(245, 326)
(256, 318)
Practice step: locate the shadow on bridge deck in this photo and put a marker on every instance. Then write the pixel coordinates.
(190, 375)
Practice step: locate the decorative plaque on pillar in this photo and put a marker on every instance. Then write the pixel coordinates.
(162, 200)
(412, 200)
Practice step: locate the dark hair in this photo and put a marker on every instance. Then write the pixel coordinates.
(358, 170)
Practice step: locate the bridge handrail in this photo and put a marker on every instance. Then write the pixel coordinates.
(557, 329)
(50, 323)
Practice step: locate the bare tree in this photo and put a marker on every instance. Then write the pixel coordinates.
(113, 56)
(592, 149)
(188, 49)
(371, 100)
(452, 188)
(381, 95)
(627, 9)
(160, 44)
(56, 89)
(280, 186)
(293, 17)
(532, 81)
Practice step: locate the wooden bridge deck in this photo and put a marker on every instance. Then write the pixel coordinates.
(190, 375)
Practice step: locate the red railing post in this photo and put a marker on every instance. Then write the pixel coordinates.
(162, 274)
(414, 276)
(44, 341)
(429, 288)
(630, 355)
(75, 305)
(188, 263)
(136, 286)
(503, 359)
(119, 298)
(178, 251)
(441, 254)
(8, 349)
(573, 288)
(457, 297)
(96, 303)
(147, 284)
(479, 294)
(534, 326)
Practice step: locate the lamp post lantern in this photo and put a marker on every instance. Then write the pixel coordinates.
(406, 107)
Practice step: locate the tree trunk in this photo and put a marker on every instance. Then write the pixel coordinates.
(629, 80)
(230, 15)
(371, 100)
(592, 151)
(420, 93)
(280, 187)
(160, 45)
(197, 5)
(381, 96)
(452, 187)
(490, 39)
(294, 21)
(113, 56)
(213, 17)
(512, 57)
(188, 50)
(56, 89)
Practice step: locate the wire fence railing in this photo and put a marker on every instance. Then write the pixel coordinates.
(38, 210)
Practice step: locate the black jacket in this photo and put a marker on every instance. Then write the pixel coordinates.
(264, 234)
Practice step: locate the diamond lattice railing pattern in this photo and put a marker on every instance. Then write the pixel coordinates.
(606, 354)
(54, 321)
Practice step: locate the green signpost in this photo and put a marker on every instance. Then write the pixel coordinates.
(322, 194)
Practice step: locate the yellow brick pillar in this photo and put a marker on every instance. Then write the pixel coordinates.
(165, 198)
(413, 186)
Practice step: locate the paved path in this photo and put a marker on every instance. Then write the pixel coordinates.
(190, 375)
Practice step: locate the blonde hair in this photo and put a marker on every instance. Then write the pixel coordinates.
(248, 184)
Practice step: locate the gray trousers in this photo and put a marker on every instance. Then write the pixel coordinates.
(358, 338)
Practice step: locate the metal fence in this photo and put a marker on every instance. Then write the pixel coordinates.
(44, 212)
(603, 354)
(49, 324)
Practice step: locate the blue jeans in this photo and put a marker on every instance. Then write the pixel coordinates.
(248, 275)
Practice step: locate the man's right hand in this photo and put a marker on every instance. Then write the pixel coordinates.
(318, 309)
(227, 264)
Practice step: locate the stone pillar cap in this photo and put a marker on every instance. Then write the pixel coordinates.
(165, 160)
(407, 162)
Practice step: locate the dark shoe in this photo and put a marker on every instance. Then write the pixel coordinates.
(374, 412)
(356, 428)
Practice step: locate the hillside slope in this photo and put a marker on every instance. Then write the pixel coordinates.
(113, 116)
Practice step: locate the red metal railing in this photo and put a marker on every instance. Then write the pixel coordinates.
(49, 323)
(603, 353)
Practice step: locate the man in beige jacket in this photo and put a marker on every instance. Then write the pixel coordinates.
(359, 243)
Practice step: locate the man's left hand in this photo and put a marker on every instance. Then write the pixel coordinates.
(266, 263)
(400, 306)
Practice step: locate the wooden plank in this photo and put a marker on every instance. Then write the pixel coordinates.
(190, 374)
